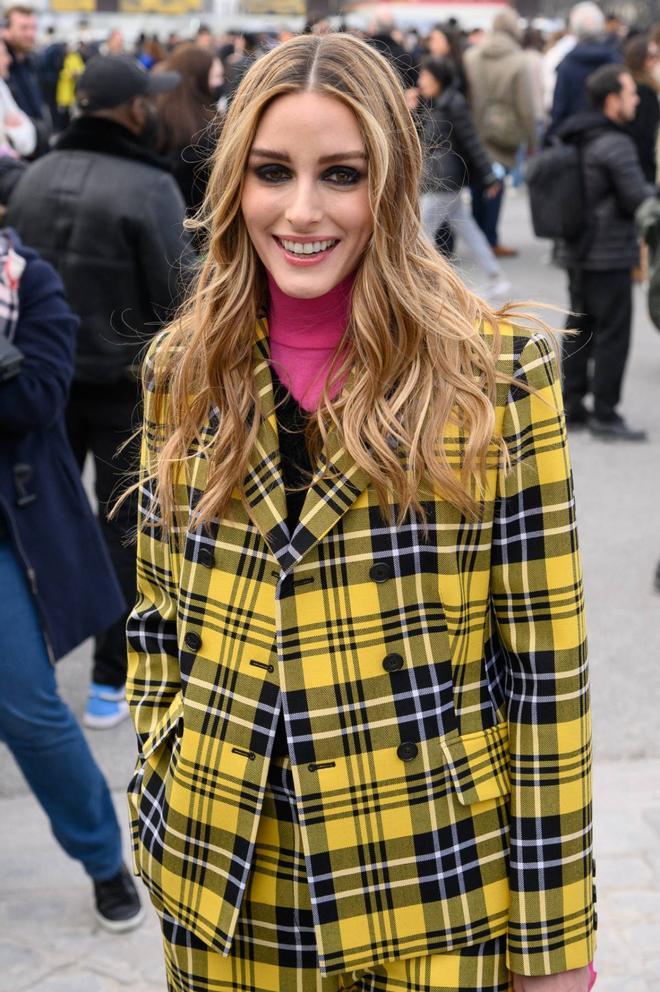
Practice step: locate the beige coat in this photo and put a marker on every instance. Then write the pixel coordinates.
(498, 70)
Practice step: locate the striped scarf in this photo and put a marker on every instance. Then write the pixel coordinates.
(11, 270)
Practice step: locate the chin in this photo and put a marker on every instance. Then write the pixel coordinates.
(305, 286)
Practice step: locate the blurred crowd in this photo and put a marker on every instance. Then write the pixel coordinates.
(38, 75)
(472, 138)
(104, 156)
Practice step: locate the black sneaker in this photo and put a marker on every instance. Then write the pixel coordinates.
(656, 578)
(577, 417)
(118, 906)
(615, 429)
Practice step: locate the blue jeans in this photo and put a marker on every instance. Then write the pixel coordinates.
(44, 737)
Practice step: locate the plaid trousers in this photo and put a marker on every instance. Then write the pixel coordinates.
(274, 948)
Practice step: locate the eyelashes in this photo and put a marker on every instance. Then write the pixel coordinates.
(337, 175)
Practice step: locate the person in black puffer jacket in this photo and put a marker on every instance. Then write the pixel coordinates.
(599, 265)
(453, 157)
(105, 211)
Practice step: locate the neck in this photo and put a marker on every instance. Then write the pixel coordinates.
(312, 323)
(304, 337)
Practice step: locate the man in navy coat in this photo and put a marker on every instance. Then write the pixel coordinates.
(20, 35)
(587, 23)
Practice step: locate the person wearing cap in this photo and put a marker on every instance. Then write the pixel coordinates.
(106, 212)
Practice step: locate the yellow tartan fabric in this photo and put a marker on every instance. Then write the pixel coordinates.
(433, 684)
(274, 945)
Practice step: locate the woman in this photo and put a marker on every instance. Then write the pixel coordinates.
(186, 115)
(641, 60)
(446, 41)
(18, 136)
(454, 156)
(357, 660)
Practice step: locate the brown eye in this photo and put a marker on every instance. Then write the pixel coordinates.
(342, 175)
(272, 173)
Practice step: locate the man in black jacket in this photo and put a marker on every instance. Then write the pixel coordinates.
(599, 265)
(109, 216)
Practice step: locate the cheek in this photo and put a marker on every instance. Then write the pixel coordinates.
(361, 219)
(257, 208)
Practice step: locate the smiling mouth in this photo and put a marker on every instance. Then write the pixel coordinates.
(307, 248)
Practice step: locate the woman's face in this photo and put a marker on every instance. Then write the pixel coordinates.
(216, 75)
(428, 85)
(438, 44)
(305, 198)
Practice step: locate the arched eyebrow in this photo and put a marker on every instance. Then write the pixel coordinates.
(270, 153)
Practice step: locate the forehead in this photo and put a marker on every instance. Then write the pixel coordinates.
(323, 122)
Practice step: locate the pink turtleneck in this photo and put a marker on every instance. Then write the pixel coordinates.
(304, 336)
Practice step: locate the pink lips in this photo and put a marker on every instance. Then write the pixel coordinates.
(304, 260)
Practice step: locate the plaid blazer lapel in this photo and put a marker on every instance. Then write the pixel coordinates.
(263, 483)
(336, 484)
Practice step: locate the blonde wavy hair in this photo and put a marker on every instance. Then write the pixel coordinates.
(413, 345)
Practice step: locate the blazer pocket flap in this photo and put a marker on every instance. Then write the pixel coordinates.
(479, 764)
(164, 727)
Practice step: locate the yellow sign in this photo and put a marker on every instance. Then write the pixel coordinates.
(285, 8)
(66, 6)
(159, 6)
(127, 6)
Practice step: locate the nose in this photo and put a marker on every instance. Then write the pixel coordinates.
(304, 210)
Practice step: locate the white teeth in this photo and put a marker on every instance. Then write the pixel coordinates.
(308, 248)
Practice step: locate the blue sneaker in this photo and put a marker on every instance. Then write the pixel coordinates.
(106, 707)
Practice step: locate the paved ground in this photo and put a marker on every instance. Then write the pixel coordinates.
(48, 941)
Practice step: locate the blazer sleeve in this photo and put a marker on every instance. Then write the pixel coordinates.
(153, 681)
(537, 599)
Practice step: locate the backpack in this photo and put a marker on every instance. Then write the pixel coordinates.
(556, 192)
(501, 127)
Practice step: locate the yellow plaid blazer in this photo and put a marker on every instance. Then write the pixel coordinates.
(433, 687)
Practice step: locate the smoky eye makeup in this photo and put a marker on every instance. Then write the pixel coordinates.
(273, 173)
(344, 175)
